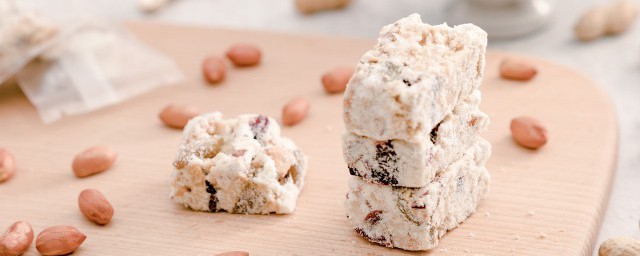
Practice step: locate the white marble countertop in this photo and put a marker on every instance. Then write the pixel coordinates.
(612, 62)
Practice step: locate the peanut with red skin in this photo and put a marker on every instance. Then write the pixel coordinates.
(517, 69)
(335, 80)
(214, 69)
(177, 115)
(7, 165)
(93, 160)
(244, 55)
(95, 206)
(528, 132)
(16, 239)
(59, 240)
(234, 253)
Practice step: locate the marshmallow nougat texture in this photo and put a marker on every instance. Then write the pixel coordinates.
(240, 165)
(412, 78)
(415, 164)
(416, 218)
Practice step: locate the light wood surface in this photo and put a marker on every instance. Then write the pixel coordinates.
(559, 191)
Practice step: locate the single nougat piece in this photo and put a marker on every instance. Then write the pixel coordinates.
(412, 78)
(240, 165)
(415, 164)
(416, 218)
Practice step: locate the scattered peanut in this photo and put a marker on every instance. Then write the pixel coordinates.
(177, 116)
(311, 6)
(593, 23)
(336, 79)
(95, 206)
(7, 165)
(59, 240)
(623, 14)
(16, 239)
(517, 69)
(244, 55)
(93, 160)
(612, 18)
(234, 253)
(528, 132)
(150, 6)
(620, 246)
(213, 69)
(295, 111)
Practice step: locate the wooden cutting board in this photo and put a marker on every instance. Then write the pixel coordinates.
(545, 202)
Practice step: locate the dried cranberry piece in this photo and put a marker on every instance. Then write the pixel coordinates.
(353, 171)
(379, 240)
(213, 200)
(259, 125)
(386, 157)
(434, 133)
(373, 217)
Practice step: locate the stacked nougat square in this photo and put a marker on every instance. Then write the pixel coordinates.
(412, 144)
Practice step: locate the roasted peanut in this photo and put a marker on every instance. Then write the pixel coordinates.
(7, 165)
(177, 116)
(16, 239)
(295, 111)
(606, 19)
(620, 246)
(95, 207)
(213, 69)
(517, 69)
(593, 23)
(311, 6)
(59, 240)
(234, 253)
(528, 132)
(336, 79)
(244, 55)
(94, 160)
(622, 15)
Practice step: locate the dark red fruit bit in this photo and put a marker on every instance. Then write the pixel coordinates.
(353, 171)
(386, 158)
(258, 125)
(379, 240)
(213, 200)
(210, 188)
(434, 133)
(406, 82)
(419, 206)
(373, 217)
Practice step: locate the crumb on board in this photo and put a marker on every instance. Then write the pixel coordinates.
(542, 235)
(517, 237)
(562, 230)
(487, 214)
(444, 250)
(472, 235)
(556, 240)
(467, 251)
(531, 213)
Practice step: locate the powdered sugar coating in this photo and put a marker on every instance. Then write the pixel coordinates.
(240, 165)
(415, 164)
(412, 78)
(416, 218)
